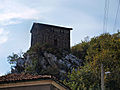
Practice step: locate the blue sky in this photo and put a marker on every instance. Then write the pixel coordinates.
(17, 17)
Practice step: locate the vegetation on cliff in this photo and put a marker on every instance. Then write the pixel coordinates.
(45, 59)
(103, 49)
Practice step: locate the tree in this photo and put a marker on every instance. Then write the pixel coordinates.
(80, 50)
(105, 49)
(13, 60)
(83, 79)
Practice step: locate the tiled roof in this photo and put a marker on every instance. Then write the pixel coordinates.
(13, 78)
(23, 77)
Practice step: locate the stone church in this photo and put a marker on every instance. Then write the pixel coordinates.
(56, 36)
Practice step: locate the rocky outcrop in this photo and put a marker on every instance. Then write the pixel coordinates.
(52, 64)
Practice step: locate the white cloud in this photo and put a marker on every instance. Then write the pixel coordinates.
(18, 10)
(26, 14)
(3, 40)
(1, 74)
(3, 36)
(10, 22)
(7, 17)
(1, 31)
(11, 12)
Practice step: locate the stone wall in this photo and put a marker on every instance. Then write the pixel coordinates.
(52, 35)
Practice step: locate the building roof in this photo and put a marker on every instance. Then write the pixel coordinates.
(65, 28)
(23, 77)
(53, 26)
(14, 78)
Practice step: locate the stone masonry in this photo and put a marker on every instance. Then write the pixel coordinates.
(56, 36)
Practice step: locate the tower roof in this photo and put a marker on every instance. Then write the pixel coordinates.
(41, 24)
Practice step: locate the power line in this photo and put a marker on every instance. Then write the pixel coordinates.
(105, 20)
(104, 15)
(107, 13)
(114, 26)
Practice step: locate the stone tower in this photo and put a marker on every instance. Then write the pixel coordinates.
(56, 36)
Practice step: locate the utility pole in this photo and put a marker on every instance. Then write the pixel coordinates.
(102, 77)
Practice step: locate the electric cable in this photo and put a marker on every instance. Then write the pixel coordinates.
(105, 20)
(116, 16)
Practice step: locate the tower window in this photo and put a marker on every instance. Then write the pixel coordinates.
(55, 42)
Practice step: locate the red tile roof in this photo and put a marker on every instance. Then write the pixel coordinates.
(23, 77)
(11, 78)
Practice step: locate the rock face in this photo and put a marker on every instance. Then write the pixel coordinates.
(50, 64)
(64, 64)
